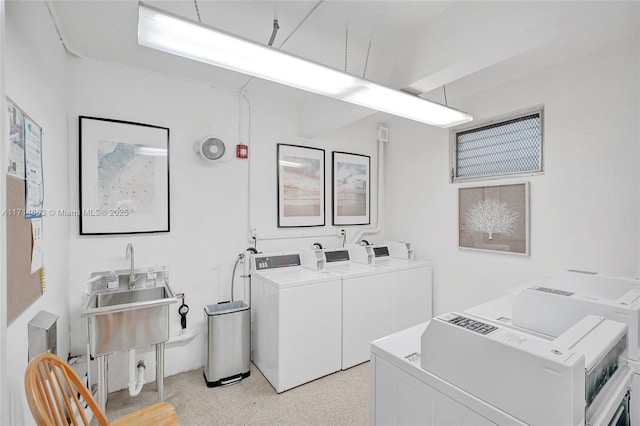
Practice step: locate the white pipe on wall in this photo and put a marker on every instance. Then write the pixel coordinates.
(294, 237)
(63, 38)
(380, 205)
(183, 336)
(248, 143)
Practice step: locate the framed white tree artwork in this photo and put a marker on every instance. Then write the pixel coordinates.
(494, 218)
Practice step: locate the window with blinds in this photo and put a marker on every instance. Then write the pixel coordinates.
(504, 147)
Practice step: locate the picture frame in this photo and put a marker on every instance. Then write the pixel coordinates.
(351, 189)
(124, 177)
(494, 218)
(301, 186)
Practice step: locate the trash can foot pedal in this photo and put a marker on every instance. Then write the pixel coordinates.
(227, 380)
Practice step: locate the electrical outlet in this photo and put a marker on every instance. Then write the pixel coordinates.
(341, 232)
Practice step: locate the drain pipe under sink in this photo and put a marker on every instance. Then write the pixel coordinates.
(135, 386)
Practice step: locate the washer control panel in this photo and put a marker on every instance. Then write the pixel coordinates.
(278, 261)
(336, 255)
(381, 251)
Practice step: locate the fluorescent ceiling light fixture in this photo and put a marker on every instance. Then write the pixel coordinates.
(173, 34)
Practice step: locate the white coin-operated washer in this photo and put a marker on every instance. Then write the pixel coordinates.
(365, 297)
(411, 285)
(296, 320)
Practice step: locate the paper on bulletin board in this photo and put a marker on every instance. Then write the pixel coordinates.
(34, 198)
(36, 251)
(15, 147)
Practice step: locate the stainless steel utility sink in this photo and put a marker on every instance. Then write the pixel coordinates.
(123, 319)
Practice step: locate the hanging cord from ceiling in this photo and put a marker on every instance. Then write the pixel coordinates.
(195, 3)
(346, 53)
(242, 89)
(300, 24)
(444, 90)
(276, 27)
(366, 61)
(346, 47)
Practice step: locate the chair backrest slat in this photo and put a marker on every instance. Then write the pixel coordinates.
(57, 395)
(44, 396)
(76, 400)
(52, 387)
(64, 389)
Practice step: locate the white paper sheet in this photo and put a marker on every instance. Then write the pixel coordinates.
(15, 145)
(33, 159)
(36, 254)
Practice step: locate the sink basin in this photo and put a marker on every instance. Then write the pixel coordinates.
(123, 319)
(130, 296)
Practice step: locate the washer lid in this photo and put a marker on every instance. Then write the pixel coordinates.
(296, 276)
(353, 269)
(397, 263)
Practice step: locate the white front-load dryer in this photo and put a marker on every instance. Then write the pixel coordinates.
(297, 317)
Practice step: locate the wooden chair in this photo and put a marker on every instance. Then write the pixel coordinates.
(57, 396)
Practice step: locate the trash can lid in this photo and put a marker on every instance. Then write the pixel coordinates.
(226, 307)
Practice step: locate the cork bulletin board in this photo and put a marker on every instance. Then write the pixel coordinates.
(23, 287)
(24, 151)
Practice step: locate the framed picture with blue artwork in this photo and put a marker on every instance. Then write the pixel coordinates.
(124, 177)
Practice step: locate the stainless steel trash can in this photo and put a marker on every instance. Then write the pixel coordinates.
(228, 342)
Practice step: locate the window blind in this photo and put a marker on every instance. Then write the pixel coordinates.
(509, 147)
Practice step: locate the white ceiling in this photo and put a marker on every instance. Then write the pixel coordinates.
(415, 45)
(108, 30)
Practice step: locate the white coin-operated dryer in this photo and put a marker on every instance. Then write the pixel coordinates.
(464, 369)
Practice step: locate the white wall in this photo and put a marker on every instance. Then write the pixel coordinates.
(35, 75)
(209, 220)
(4, 405)
(584, 209)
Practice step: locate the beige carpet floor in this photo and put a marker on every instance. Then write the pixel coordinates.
(338, 399)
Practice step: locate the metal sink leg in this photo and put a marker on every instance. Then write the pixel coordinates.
(160, 370)
(102, 382)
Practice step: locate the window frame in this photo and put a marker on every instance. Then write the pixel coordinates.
(453, 145)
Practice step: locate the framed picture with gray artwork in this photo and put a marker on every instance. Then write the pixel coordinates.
(124, 177)
(494, 218)
(300, 186)
(351, 189)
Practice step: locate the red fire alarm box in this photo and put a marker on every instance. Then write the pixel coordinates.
(242, 151)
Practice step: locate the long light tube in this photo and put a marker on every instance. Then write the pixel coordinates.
(173, 34)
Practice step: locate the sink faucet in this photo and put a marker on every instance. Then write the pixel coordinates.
(132, 279)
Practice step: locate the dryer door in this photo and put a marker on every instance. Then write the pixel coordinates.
(622, 416)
